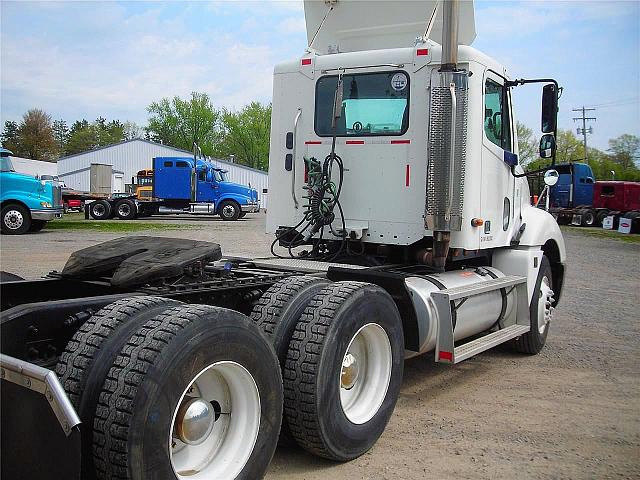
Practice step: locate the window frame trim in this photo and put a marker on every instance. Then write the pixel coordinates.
(405, 128)
(506, 96)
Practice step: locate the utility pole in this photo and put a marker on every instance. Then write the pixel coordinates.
(584, 130)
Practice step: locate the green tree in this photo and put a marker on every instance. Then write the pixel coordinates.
(527, 144)
(132, 130)
(181, 123)
(245, 134)
(61, 135)
(569, 149)
(84, 136)
(36, 136)
(625, 150)
(11, 137)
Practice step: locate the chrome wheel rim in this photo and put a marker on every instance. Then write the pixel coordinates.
(99, 210)
(228, 211)
(13, 219)
(215, 423)
(545, 305)
(365, 373)
(124, 210)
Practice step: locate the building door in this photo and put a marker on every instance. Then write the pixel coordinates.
(118, 183)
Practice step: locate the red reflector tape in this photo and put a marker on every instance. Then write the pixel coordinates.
(306, 61)
(354, 142)
(422, 51)
(446, 356)
(407, 175)
(313, 142)
(400, 142)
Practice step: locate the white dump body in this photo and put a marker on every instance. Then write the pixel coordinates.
(354, 25)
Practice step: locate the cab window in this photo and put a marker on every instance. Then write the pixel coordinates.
(372, 104)
(202, 175)
(496, 115)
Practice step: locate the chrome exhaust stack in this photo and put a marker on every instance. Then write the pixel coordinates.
(447, 141)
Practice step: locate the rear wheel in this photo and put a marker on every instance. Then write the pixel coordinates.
(229, 210)
(16, 219)
(277, 313)
(588, 217)
(540, 311)
(126, 209)
(600, 216)
(343, 370)
(100, 210)
(84, 364)
(196, 392)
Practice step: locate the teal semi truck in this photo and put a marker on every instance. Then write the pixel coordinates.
(27, 202)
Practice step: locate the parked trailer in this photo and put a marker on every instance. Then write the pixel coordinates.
(579, 199)
(142, 349)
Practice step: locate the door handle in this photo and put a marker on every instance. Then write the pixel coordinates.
(293, 161)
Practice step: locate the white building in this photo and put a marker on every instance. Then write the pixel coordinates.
(129, 157)
(35, 168)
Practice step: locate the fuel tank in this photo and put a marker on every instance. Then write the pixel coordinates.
(471, 315)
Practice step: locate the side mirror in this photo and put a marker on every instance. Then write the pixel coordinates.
(547, 146)
(551, 177)
(549, 108)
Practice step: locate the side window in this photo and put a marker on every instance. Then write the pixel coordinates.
(202, 175)
(182, 164)
(496, 115)
(168, 164)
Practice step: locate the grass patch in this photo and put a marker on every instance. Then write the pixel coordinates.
(601, 233)
(78, 222)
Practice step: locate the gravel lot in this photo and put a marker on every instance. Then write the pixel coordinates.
(571, 412)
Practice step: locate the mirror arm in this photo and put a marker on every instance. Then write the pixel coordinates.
(532, 172)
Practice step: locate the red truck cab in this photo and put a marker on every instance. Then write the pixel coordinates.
(617, 195)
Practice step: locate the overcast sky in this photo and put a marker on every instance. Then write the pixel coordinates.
(85, 59)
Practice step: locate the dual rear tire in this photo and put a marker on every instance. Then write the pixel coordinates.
(168, 391)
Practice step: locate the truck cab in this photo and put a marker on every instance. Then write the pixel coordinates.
(200, 186)
(28, 203)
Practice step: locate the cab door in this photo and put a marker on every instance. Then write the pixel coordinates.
(207, 188)
(497, 158)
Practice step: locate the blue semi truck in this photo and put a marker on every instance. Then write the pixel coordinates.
(181, 185)
(27, 203)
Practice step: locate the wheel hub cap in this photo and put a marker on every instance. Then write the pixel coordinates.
(545, 305)
(350, 371)
(13, 219)
(228, 211)
(194, 421)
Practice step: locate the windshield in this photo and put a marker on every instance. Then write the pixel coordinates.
(373, 104)
(6, 165)
(220, 176)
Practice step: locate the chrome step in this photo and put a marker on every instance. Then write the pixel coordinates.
(486, 342)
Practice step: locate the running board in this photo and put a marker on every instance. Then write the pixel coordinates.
(444, 301)
(486, 342)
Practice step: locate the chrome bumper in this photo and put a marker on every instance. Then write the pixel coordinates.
(251, 207)
(46, 214)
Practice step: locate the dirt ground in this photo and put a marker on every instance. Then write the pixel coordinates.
(571, 412)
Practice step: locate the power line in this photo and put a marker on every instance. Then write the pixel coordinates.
(583, 130)
(623, 101)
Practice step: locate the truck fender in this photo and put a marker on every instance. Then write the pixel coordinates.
(240, 199)
(542, 229)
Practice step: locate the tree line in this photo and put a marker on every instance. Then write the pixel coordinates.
(621, 157)
(175, 122)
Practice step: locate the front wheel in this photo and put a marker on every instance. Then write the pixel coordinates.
(343, 370)
(196, 392)
(229, 210)
(540, 311)
(16, 220)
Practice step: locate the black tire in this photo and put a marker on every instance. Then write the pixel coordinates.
(242, 214)
(533, 341)
(154, 369)
(83, 366)
(229, 210)
(600, 216)
(277, 313)
(16, 219)
(313, 408)
(125, 209)
(588, 217)
(37, 225)
(9, 277)
(100, 210)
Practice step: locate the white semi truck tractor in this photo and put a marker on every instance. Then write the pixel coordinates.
(402, 226)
